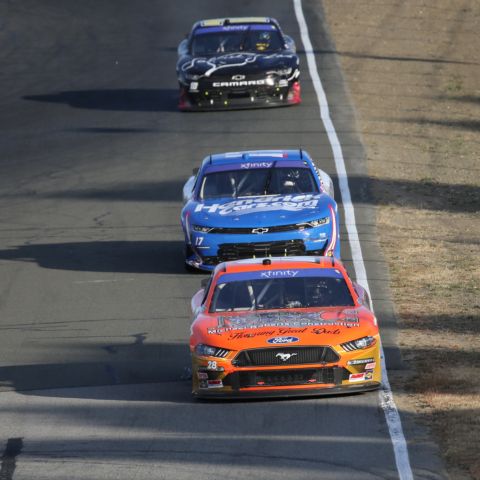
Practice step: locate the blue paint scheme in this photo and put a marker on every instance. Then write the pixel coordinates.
(258, 212)
(280, 273)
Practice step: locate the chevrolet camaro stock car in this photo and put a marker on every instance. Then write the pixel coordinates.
(258, 204)
(237, 63)
(283, 327)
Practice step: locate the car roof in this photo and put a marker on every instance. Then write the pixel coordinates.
(232, 158)
(277, 263)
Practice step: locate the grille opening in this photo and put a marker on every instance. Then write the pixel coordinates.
(234, 251)
(287, 377)
(276, 356)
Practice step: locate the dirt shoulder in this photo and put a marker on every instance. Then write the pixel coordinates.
(413, 69)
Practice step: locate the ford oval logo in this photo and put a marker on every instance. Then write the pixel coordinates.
(282, 340)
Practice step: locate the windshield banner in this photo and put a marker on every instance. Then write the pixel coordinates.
(342, 318)
(292, 203)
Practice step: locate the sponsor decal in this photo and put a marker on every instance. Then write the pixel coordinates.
(238, 77)
(219, 28)
(279, 274)
(282, 340)
(216, 25)
(360, 361)
(356, 377)
(239, 83)
(283, 331)
(291, 203)
(266, 333)
(370, 366)
(241, 335)
(368, 375)
(282, 320)
(215, 384)
(326, 331)
(202, 375)
(212, 365)
(248, 165)
(284, 357)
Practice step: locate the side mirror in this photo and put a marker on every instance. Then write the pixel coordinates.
(195, 170)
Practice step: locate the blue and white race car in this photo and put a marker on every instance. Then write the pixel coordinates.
(258, 204)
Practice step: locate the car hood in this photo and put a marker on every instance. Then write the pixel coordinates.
(260, 211)
(284, 328)
(234, 63)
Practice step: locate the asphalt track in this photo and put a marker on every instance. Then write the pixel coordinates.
(94, 300)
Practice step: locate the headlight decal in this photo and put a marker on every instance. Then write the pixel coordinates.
(358, 344)
(314, 223)
(209, 351)
(202, 229)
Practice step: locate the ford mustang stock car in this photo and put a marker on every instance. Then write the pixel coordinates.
(283, 327)
(237, 63)
(258, 204)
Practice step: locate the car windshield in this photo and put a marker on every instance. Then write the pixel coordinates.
(281, 293)
(234, 39)
(259, 181)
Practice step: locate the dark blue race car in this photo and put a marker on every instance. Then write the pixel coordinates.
(258, 204)
(228, 63)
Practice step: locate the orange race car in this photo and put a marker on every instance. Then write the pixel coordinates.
(283, 327)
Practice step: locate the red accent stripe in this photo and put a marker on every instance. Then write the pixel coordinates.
(333, 240)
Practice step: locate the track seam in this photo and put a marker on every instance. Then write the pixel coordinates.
(392, 416)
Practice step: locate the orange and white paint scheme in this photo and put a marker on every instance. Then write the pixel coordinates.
(283, 327)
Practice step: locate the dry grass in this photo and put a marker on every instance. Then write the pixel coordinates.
(419, 122)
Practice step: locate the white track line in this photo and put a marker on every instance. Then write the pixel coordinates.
(386, 396)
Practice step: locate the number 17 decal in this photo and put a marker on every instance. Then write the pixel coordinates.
(199, 241)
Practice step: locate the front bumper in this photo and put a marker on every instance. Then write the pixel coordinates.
(357, 371)
(288, 393)
(208, 249)
(206, 97)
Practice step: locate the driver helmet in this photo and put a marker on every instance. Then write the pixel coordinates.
(263, 41)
